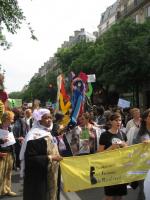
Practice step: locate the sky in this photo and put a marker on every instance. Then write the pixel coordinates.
(53, 21)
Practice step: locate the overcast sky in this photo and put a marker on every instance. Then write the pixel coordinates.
(53, 21)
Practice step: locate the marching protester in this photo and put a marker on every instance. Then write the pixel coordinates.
(112, 139)
(100, 118)
(143, 136)
(90, 132)
(2, 164)
(28, 119)
(83, 138)
(19, 130)
(57, 127)
(135, 121)
(133, 125)
(40, 160)
(146, 186)
(57, 131)
(7, 147)
(44, 142)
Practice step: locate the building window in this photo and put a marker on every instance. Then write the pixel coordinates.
(134, 18)
(135, 2)
(148, 11)
(107, 25)
(125, 8)
(137, 19)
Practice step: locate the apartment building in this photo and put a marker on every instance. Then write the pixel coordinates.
(108, 18)
(43, 70)
(79, 35)
(48, 66)
(139, 10)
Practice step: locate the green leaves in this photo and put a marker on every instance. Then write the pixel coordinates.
(120, 57)
(11, 18)
(126, 54)
(11, 15)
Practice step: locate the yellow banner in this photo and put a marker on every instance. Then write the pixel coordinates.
(123, 165)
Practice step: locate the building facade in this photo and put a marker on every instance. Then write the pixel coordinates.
(139, 10)
(79, 35)
(108, 18)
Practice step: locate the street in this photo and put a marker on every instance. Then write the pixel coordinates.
(90, 194)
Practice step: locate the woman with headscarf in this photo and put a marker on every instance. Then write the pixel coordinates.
(39, 160)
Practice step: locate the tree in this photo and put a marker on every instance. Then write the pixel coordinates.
(15, 95)
(123, 48)
(39, 88)
(126, 58)
(120, 57)
(76, 58)
(11, 18)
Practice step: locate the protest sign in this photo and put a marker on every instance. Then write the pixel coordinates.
(4, 134)
(91, 78)
(123, 103)
(119, 166)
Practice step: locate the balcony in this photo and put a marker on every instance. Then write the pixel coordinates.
(131, 8)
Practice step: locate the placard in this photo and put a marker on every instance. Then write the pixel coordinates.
(91, 78)
(123, 103)
(9, 135)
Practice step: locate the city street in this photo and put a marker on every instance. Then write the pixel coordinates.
(74, 99)
(96, 194)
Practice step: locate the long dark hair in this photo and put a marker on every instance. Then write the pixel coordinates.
(143, 127)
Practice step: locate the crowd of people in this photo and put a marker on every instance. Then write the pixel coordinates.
(40, 140)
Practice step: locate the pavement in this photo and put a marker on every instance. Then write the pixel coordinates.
(90, 194)
(17, 186)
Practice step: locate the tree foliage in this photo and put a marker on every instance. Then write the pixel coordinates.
(15, 95)
(76, 58)
(121, 57)
(126, 54)
(11, 18)
(39, 88)
(11, 15)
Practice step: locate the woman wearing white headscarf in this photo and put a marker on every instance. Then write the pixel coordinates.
(39, 160)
